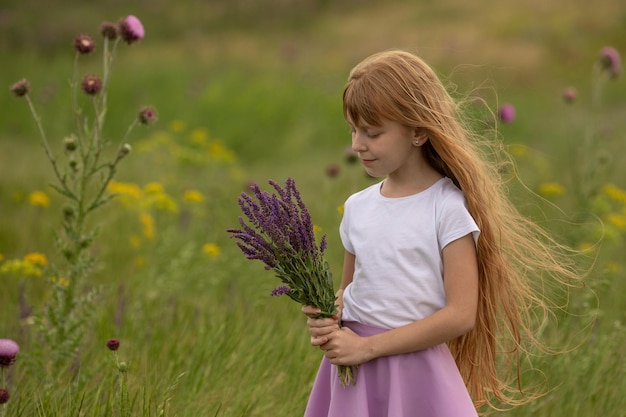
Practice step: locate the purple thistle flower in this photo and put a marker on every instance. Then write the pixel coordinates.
(147, 115)
(507, 113)
(113, 344)
(131, 29)
(570, 94)
(20, 88)
(610, 60)
(108, 30)
(84, 44)
(91, 84)
(281, 290)
(4, 396)
(8, 352)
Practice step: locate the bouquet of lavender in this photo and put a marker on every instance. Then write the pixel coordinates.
(279, 232)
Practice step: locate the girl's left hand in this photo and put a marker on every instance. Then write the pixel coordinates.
(344, 347)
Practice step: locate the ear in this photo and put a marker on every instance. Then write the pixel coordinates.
(420, 136)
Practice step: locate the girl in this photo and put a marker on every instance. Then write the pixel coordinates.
(438, 262)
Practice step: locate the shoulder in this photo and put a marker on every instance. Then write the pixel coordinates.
(446, 192)
(363, 195)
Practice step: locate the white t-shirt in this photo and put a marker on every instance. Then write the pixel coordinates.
(398, 245)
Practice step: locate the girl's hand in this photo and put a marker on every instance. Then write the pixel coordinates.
(319, 329)
(344, 347)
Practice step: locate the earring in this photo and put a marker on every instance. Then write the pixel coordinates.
(416, 143)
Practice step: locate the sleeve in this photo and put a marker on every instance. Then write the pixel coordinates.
(344, 228)
(455, 221)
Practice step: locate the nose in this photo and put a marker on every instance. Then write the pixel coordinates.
(357, 142)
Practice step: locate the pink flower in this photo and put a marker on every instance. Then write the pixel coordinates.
(610, 60)
(131, 29)
(507, 113)
(8, 351)
(147, 116)
(570, 94)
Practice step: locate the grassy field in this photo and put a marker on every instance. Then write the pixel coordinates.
(245, 92)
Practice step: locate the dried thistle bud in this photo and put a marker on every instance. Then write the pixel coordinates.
(20, 88)
(124, 150)
(68, 213)
(84, 44)
(91, 84)
(109, 30)
(70, 143)
(147, 115)
(131, 29)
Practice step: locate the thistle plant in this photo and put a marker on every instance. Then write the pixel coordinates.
(8, 354)
(81, 175)
(593, 159)
(278, 231)
(123, 403)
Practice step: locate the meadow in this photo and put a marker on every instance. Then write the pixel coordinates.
(250, 91)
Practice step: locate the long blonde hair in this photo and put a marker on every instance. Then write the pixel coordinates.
(515, 255)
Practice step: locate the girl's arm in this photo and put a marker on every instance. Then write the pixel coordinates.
(321, 327)
(460, 268)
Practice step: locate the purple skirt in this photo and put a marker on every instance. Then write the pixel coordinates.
(426, 383)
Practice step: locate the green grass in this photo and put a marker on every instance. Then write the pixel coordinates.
(270, 91)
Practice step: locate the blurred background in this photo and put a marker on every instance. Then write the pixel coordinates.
(250, 90)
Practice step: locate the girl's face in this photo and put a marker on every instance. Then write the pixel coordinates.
(385, 150)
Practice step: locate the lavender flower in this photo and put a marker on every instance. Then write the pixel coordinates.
(277, 230)
(8, 352)
(507, 113)
(610, 60)
(131, 29)
(281, 290)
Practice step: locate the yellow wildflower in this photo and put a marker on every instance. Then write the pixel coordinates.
(124, 188)
(36, 258)
(220, 152)
(340, 209)
(178, 126)
(551, 189)
(147, 222)
(1, 257)
(60, 281)
(211, 249)
(140, 261)
(135, 241)
(613, 267)
(153, 188)
(518, 150)
(39, 198)
(618, 220)
(193, 196)
(615, 193)
(316, 229)
(20, 267)
(199, 136)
